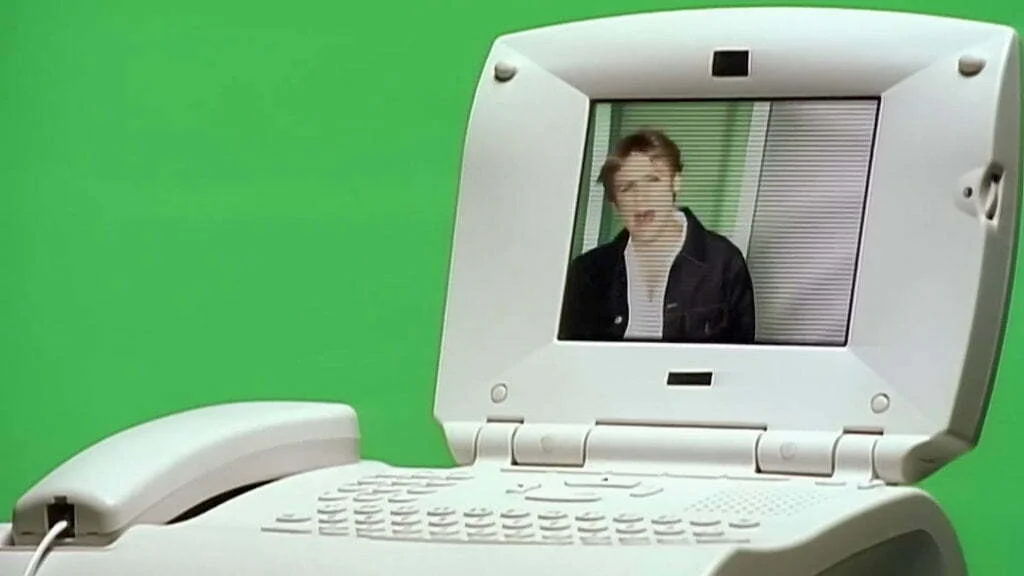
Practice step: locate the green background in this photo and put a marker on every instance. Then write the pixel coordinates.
(211, 201)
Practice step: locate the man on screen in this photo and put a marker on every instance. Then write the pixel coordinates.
(665, 276)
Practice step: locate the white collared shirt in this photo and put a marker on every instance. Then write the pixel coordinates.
(646, 310)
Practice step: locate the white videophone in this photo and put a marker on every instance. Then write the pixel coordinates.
(725, 283)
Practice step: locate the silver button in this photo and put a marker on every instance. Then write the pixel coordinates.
(400, 499)
(405, 521)
(592, 528)
(441, 511)
(708, 533)
(590, 517)
(405, 511)
(670, 530)
(367, 498)
(627, 518)
(333, 531)
(477, 512)
(330, 508)
(368, 509)
(334, 519)
(631, 529)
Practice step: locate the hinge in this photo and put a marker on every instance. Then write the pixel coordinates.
(696, 451)
(846, 455)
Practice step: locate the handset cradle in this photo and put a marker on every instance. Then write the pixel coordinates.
(154, 472)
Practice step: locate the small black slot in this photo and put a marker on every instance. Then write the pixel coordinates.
(61, 510)
(689, 378)
(730, 64)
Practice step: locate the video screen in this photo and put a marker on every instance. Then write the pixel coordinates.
(724, 222)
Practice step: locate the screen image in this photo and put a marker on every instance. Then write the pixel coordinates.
(727, 222)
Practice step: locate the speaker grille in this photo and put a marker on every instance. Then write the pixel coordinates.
(760, 501)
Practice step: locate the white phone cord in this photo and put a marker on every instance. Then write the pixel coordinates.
(37, 557)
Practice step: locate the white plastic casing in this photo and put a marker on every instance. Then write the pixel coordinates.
(933, 273)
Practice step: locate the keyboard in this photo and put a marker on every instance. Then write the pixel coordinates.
(553, 508)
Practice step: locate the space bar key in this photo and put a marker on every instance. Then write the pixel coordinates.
(560, 496)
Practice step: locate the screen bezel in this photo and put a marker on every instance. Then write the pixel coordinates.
(517, 201)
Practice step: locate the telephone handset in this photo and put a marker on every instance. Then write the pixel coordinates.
(157, 471)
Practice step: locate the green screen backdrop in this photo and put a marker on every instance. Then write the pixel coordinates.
(208, 201)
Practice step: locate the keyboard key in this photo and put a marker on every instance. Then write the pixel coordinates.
(441, 511)
(363, 498)
(708, 533)
(634, 541)
(627, 518)
(717, 540)
(401, 499)
(478, 512)
(590, 517)
(478, 523)
(333, 519)
(634, 528)
(516, 524)
(369, 520)
(405, 511)
(592, 528)
(515, 514)
(443, 521)
(705, 521)
(367, 509)
(603, 482)
(646, 491)
(554, 525)
(522, 488)
(333, 531)
(552, 515)
(669, 530)
(286, 529)
(744, 523)
(294, 518)
(405, 521)
(666, 519)
(595, 541)
(676, 541)
(331, 508)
